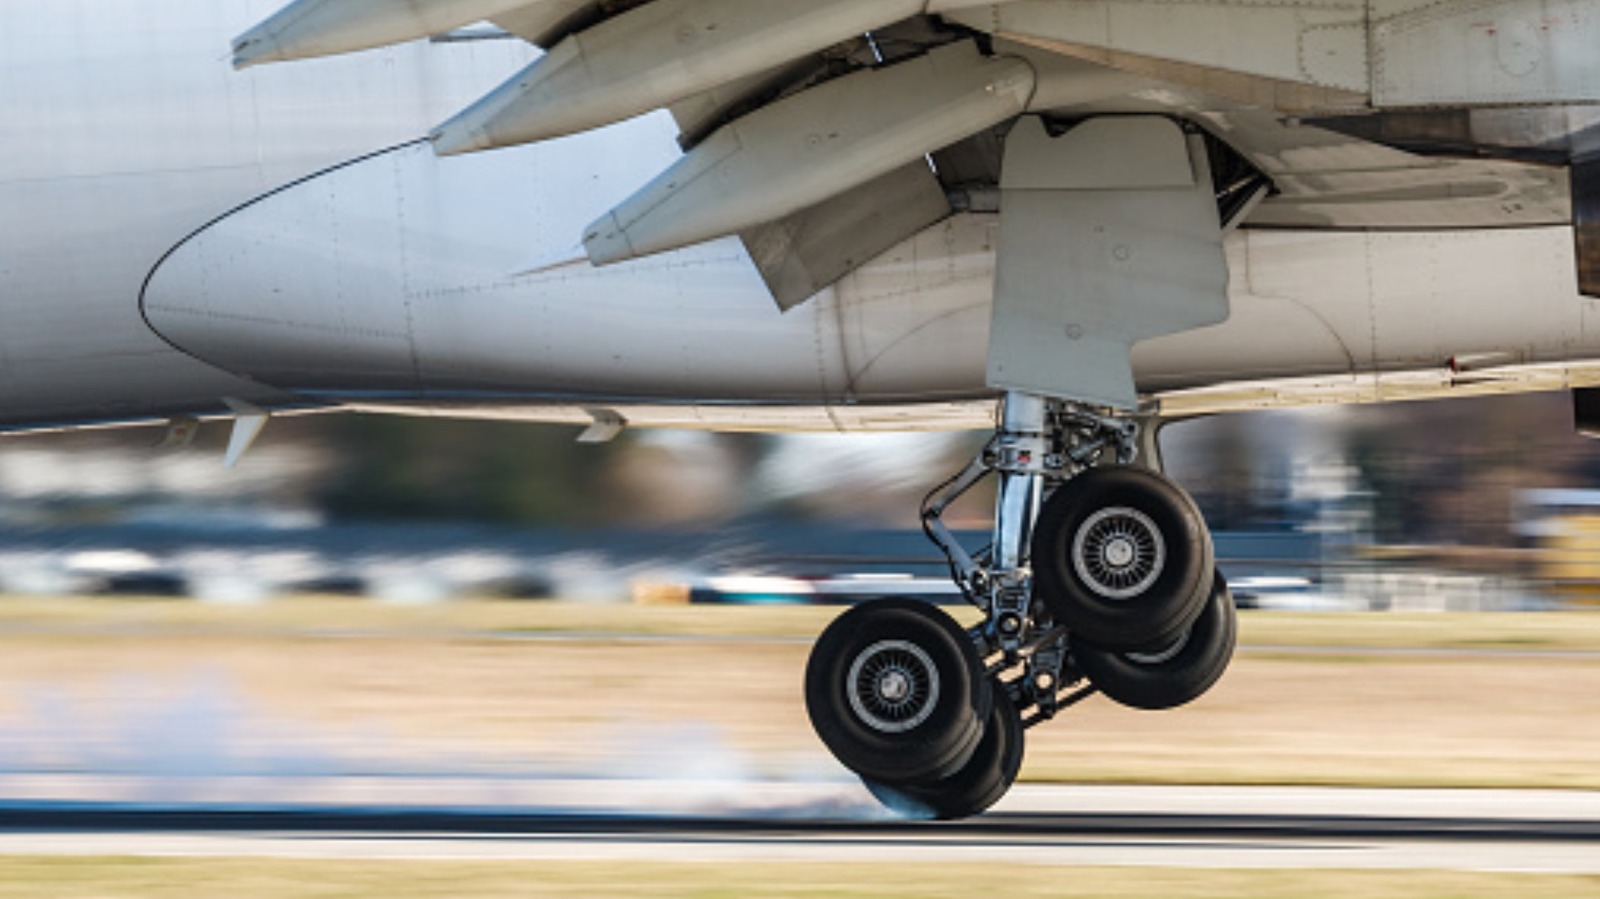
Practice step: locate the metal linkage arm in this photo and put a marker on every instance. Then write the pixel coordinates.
(968, 574)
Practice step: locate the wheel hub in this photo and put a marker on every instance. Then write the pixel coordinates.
(1119, 552)
(893, 686)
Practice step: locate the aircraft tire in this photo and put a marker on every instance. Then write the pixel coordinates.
(1181, 673)
(977, 785)
(1122, 558)
(896, 691)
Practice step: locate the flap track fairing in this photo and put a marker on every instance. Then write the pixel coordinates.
(813, 145)
(653, 56)
(311, 28)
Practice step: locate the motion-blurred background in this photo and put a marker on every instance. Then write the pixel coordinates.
(1487, 503)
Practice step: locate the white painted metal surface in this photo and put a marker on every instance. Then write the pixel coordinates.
(389, 281)
(1350, 316)
(1329, 54)
(308, 28)
(1313, 42)
(1500, 52)
(811, 146)
(651, 57)
(125, 129)
(1108, 236)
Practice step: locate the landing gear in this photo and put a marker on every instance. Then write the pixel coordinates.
(1100, 578)
(1100, 574)
(1122, 558)
(1168, 676)
(976, 785)
(896, 691)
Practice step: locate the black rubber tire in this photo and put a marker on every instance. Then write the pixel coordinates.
(1168, 682)
(979, 784)
(1158, 613)
(936, 746)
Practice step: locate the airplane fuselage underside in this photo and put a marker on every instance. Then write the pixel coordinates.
(468, 298)
(459, 285)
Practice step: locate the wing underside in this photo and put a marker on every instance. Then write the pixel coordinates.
(823, 133)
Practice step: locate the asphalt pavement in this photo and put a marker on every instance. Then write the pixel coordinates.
(1204, 827)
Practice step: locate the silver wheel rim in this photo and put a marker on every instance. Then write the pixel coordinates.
(893, 686)
(1119, 552)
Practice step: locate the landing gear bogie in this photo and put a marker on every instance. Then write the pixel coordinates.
(1100, 577)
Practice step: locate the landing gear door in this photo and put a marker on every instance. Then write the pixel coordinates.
(1109, 235)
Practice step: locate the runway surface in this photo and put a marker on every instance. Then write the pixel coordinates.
(515, 636)
(1209, 827)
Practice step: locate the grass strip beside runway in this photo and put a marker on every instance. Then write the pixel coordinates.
(184, 878)
(1574, 631)
(87, 680)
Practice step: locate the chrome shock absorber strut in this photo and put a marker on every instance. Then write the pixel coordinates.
(998, 579)
(1038, 444)
(1020, 460)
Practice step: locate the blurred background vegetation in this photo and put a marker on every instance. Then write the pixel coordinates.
(1424, 472)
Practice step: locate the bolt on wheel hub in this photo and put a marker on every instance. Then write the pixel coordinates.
(893, 686)
(1119, 553)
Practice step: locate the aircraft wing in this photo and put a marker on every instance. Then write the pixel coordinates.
(823, 133)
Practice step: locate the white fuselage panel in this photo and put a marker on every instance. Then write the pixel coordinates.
(397, 279)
